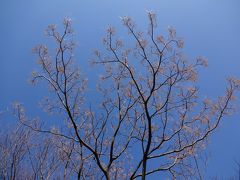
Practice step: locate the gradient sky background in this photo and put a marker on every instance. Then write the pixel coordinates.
(209, 27)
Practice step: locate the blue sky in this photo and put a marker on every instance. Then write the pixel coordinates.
(209, 27)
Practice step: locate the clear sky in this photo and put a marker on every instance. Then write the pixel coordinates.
(209, 27)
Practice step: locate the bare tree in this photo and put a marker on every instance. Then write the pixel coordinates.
(13, 150)
(149, 118)
(172, 123)
(27, 154)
